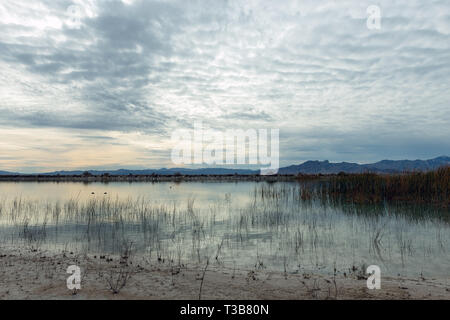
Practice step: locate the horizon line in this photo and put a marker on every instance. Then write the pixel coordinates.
(205, 166)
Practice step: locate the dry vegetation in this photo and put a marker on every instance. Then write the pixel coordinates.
(419, 187)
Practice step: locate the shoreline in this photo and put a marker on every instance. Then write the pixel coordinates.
(149, 178)
(40, 275)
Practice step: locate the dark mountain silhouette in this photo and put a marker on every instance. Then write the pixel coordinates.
(384, 166)
(308, 167)
(163, 171)
(6, 173)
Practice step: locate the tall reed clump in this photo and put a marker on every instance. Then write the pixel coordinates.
(418, 187)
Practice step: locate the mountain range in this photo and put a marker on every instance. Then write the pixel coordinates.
(308, 167)
(384, 166)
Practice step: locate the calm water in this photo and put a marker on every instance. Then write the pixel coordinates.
(245, 225)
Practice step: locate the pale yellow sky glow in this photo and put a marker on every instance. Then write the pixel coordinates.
(32, 150)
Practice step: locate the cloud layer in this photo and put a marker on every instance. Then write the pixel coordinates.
(104, 83)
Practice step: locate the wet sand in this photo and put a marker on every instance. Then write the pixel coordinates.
(27, 273)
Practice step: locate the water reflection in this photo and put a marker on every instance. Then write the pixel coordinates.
(281, 226)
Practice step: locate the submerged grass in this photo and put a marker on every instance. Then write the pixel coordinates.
(291, 227)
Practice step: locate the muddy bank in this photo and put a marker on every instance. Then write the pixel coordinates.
(31, 274)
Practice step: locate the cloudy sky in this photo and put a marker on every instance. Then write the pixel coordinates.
(104, 83)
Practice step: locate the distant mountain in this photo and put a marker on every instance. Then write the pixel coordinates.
(163, 171)
(308, 167)
(384, 166)
(409, 165)
(6, 173)
(314, 167)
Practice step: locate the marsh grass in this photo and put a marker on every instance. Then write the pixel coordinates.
(290, 227)
(120, 275)
(432, 187)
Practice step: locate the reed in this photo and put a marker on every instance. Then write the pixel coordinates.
(417, 187)
(294, 226)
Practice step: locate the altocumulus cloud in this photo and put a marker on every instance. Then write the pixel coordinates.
(107, 86)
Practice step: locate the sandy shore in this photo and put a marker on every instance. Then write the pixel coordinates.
(30, 274)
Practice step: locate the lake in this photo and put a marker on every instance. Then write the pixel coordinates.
(236, 225)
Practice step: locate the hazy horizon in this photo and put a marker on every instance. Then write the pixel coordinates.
(231, 167)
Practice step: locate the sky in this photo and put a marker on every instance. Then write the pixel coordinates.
(103, 84)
